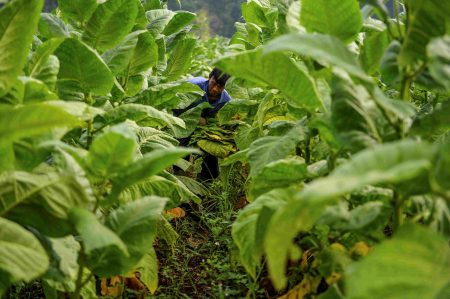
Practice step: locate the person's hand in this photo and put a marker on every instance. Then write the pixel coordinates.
(202, 121)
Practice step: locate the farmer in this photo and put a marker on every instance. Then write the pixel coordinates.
(217, 97)
(215, 94)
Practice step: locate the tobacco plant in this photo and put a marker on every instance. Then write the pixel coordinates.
(346, 112)
(86, 137)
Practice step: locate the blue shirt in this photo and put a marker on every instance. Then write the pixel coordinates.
(216, 105)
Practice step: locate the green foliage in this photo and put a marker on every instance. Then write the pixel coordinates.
(342, 19)
(425, 253)
(19, 20)
(22, 256)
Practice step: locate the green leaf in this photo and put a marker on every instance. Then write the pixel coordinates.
(22, 257)
(119, 57)
(180, 59)
(164, 185)
(439, 60)
(148, 268)
(427, 20)
(36, 91)
(299, 214)
(385, 164)
(271, 70)
(112, 151)
(110, 23)
(441, 168)
(160, 95)
(50, 26)
(240, 156)
(150, 164)
(278, 174)
(375, 44)
(436, 122)
(62, 273)
(18, 23)
(323, 48)
(143, 115)
(158, 18)
(258, 13)
(272, 148)
(389, 67)
(102, 246)
(44, 66)
(83, 68)
(342, 19)
(178, 22)
(249, 229)
(145, 55)
(81, 111)
(78, 11)
(31, 120)
(136, 224)
(415, 263)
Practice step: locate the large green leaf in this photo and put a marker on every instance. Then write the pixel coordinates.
(119, 57)
(164, 185)
(178, 22)
(18, 23)
(436, 122)
(150, 164)
(43, 65)
(299, 214)
(50, 26)
(102, 246)
(34, 119)
(323, 48)
(385, 164)
(83, 68)
(272, 148)
(112, 151)
(110, 23)
(143, 115)
(259, 13)
(427, 20)
(375, 43)
(22, 257)
(180, 59)
(145, 55)
(278, 174)
(438, 51)
(271, 70)
(136, 224)
(340, 18)
(148, 268)
(249, 229)
(158, 18)
(36, 91)
(355, 119)
(78, 11)
(415, 263)
(158, 96)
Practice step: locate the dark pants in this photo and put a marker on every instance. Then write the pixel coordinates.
(210, 165)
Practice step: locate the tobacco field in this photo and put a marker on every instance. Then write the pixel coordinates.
(334, 151)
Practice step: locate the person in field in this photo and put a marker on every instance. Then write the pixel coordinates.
(217, 97)
(215, 94)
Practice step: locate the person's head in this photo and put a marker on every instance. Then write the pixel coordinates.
(217, 81)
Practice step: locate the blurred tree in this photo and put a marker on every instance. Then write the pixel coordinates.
(222, 14)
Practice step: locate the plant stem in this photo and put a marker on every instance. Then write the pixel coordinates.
(405, 88)
(89, 134)
(398, 211)
(79, 283)
(397, 12)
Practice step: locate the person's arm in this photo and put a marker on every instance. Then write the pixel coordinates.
(177, 112)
